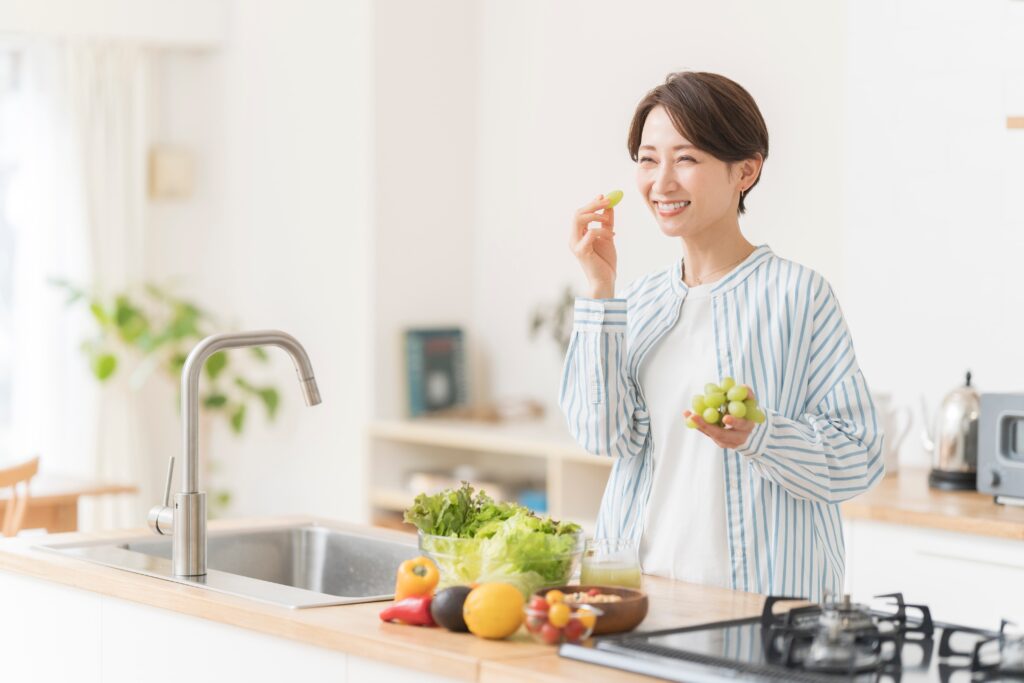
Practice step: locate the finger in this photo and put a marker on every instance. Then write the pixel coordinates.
(604, 233)
(738, 424)
(750, 392)
(583, 245)
(597, 203)
(585, 218)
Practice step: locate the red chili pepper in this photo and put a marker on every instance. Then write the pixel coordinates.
(414, 611)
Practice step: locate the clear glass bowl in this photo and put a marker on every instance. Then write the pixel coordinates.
(575, 631)
(464, 561)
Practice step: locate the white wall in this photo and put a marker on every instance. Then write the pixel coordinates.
(558, 85)
(277, 235)
(934, 231)
(424, 153)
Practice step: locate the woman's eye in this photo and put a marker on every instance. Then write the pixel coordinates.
(646, 160)
(685, 158)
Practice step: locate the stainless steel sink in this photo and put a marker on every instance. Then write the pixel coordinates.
(298, 565)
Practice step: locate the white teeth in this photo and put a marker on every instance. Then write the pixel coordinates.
(675, 206)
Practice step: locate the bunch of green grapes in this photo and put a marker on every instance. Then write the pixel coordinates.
(725, 398)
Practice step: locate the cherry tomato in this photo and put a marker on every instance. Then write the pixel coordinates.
(574, 630)
(558, 615)
(550, 634)
(554, 596)
(539, 604)
(535, 622)
(594, 591)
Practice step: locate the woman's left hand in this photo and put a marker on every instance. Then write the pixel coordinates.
(733, 434)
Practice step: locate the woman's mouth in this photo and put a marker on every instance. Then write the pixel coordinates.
(670, 208)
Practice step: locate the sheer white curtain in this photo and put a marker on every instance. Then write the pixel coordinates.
(82, 213)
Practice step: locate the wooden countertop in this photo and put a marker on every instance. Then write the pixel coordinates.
(905, 498)
(357, 629)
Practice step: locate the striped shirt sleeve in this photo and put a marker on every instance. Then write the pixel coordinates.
(832, 452)
(597, 395)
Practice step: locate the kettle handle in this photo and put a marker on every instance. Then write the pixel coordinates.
(926, 439)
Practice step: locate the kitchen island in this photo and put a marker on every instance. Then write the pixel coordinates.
(66, 618)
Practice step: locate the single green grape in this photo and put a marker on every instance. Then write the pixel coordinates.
(727, 384)
(698, 404)
(711, 416)
(712, 388)
(751, 404)
(756, 416)
(738, 393)
(613, 197)
(737, 409)
(714, 400)
(690, 423)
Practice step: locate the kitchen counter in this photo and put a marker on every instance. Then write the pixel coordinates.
(356, 629)
(905, 498)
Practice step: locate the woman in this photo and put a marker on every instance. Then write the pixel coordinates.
(752, 507)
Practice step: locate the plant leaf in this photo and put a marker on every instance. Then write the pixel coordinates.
(215, 364)
(215, 400)
(176, 363)
(96, 308)
(104, 365)
(131, 323)
(270, 399)
(238, 419)
(260, 353)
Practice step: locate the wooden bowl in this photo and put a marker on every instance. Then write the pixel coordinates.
(619, 617)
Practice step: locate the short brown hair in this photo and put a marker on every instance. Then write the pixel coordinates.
(714, 113)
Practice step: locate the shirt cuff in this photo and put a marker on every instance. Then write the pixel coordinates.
(599, 315)
(757, 442)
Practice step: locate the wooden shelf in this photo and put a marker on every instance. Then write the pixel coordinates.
(528, 439)
(1015, 122)
(574, 480)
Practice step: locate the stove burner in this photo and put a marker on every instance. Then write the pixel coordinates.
(1000, 657)
(844, 637)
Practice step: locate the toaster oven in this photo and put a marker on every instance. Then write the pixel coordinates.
(1001, 447)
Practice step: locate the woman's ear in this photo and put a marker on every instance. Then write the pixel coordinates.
(751, 169)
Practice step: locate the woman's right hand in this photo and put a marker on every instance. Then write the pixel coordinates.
(594, 247)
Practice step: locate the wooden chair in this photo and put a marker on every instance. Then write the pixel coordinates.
(12, 477)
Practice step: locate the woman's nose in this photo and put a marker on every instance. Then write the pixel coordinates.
(664, 181)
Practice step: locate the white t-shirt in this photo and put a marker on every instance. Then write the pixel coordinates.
(685, 534)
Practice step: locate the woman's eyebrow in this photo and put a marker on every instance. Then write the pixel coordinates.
(674, 149)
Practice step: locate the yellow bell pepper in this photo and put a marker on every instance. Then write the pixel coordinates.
(418, 576)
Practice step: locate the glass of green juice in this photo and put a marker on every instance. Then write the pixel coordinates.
(611, 562)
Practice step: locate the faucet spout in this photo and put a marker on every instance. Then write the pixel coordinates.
(189, 525)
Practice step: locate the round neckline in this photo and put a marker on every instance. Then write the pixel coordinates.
(727, 281)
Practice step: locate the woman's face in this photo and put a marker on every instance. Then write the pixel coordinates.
(687, 190)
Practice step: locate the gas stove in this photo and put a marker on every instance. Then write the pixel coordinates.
(888, 640)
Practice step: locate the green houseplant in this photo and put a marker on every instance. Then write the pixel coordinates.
(151, 330)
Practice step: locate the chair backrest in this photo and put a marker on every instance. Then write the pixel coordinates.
(12, 477)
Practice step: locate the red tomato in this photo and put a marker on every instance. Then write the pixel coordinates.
(538, 603)
(550, 634)
(593, 591)
(574, 630)
(534, 622)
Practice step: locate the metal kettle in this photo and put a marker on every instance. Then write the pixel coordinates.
(954, 446)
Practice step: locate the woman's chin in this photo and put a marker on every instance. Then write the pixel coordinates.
(670, 228)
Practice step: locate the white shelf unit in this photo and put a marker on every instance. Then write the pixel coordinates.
(574, 480)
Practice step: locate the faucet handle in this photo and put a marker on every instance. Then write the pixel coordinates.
(161, 517)
(170, 477)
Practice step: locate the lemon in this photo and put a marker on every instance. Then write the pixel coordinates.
(493, 610)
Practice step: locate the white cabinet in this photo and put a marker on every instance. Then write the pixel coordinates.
(964, 578)
(52, 632)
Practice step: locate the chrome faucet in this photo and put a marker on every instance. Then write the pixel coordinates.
(187, 519)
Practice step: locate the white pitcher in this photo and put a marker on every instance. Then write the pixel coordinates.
(896, 422)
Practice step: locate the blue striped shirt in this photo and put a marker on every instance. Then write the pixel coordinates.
(778, 328)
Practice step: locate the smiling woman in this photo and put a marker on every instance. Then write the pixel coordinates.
(750, 506)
